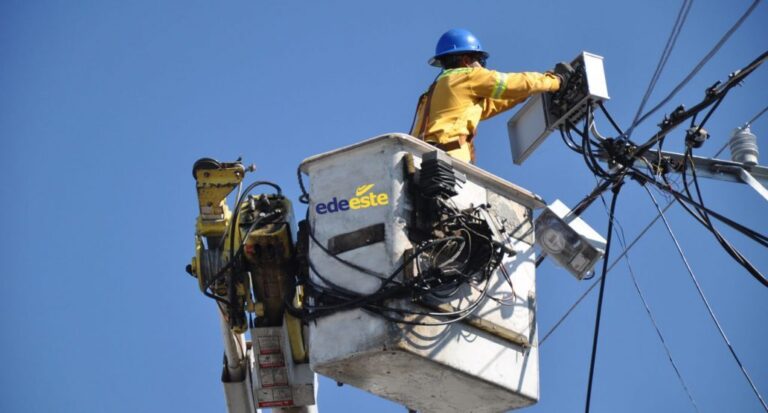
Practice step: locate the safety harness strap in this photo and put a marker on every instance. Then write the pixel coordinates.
(427, 105)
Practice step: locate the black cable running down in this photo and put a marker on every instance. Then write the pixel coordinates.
(616, 190)
(723, 242)
(610, 118)
(613, 264)
(622, 242)
(568, 141)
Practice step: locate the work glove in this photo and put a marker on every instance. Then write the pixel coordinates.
(565, 72)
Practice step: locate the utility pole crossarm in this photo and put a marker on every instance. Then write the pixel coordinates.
(749, 178)
(712, 168)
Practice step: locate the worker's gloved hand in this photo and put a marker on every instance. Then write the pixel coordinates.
(565, 72)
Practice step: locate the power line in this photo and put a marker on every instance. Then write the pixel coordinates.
(714, 94)
(665, 54)
(622, 240)
(613, 264)
(706, 303)
(698, 67)
(610, 267)
(624, 255)
(616, 190)
(661, 337)
(754, 118)
(702, 215)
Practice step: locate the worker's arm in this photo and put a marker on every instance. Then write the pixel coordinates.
(492, 107)
(515, 86)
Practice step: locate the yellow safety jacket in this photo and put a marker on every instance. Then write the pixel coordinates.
(447, 115)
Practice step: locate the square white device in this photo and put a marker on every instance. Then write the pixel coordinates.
(540, 116)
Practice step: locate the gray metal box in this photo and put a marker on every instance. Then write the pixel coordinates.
(537, 119)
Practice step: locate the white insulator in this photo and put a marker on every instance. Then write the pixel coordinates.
(743, 145)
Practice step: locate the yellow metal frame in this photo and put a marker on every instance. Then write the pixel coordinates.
(213, 186)
(295, 332)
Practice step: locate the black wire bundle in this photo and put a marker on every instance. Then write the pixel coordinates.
(592, 148)
(623, 153)
(465, 255)
(624, 156)
(702, 214)
(224, 277)
(697, 209)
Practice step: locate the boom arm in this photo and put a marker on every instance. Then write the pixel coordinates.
(245, 261)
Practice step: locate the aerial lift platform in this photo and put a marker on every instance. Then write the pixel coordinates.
(412, 276)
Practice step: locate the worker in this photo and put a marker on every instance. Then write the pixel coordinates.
(465, 92)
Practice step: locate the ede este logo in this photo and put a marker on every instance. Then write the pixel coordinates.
(364, 198)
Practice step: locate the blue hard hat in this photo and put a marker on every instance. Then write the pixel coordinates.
(456, 41)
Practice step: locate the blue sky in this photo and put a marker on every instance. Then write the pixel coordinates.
(105, 105)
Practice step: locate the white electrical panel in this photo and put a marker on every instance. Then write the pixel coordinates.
(568, 240)
(546, 112)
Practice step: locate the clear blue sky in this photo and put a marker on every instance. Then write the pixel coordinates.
(105, 105)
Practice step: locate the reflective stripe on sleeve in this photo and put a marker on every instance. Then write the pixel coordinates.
(501, 85)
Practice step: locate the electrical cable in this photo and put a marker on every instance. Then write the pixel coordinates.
(613, 264)
(337, 298)
(595, 132)
(588, 154)
(223, 271)
(357, 267)
(682, 15)
(680, 197)
(706, 303)
(569, 141)
(750, 233)
(616, 190)
(709, 114)
(229, 230)
(723, 242)
(367, 302)
(234, 220)
(757, 116)
(698, 67)
(581, 207)
(304, 197)
(713, 94)
(661, 338)
(622, 241)
(234, 254)
(610, 118)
